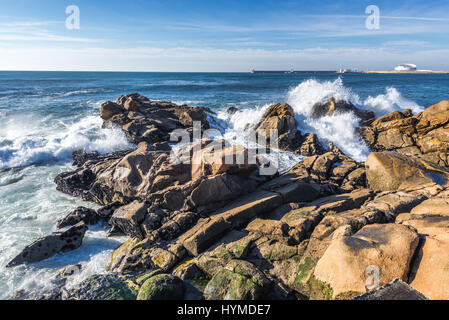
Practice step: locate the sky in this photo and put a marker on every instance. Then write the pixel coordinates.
(222, 35)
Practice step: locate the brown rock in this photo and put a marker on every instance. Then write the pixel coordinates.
(332, 107)
(430, 271)
(433, 117)
(341, 272)
(389, 171)
(110, 109)
(129, 217)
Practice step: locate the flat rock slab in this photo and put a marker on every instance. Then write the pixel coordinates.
(341, 273)
(48, 246)
(390, 171)
(395, 290)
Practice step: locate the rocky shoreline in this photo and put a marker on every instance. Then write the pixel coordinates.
(224, 231)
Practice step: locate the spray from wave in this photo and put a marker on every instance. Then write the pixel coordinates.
(24, 142)
(340, 129)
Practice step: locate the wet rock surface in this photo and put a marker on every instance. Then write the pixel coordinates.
(48, 246)
(211, 230)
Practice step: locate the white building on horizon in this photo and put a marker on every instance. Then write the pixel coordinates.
(406, 67)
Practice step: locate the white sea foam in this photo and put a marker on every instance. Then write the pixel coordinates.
(391, 101)
(24, 142)
(339, 129)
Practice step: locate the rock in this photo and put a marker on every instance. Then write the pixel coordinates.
(153, 121)
(332, 106)
(433, 117)
(424, 136)
(241, 211)
(128, 218)
(430, 273)
(110, 109)
(80, 157)
(232, 110)
(102, 287)
(188, 270)
(69, 271)
(280, 117)
(341, 271)
(395, 290)
(239, 280)
(48, 246)
(333, 171)
(86, 215)
(310, 146)
(389, 171)
(433, 206)
(136, 256)
(298, 191)
(395, 202)
(162, 287)
(204, 234)
(187, 117)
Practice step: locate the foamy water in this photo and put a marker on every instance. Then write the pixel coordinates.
(340, 129)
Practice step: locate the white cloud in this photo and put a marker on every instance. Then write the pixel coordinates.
(210, 59)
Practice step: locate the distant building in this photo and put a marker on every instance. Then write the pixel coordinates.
(406, 67)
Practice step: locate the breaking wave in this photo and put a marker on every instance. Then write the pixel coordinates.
(340, 129)
(24, 143)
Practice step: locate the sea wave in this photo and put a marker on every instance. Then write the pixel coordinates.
(23, 145)
(340, 129)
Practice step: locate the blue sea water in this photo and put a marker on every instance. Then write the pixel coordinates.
(44, 116)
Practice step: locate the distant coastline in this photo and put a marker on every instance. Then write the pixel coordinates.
(334, 71)
(407, 72)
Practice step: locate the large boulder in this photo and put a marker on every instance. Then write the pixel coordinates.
(280, 117)
(128, 218)
(162, 287)
(238, 280)
(390, 171)
(80, 214)
(395, 290)
(433, 117)
(102, 287)
(110, 109)
(341, 273)
(425, 135)
(333, 106)
(152, 121)
(430, 270)
(211, 177)
(48, 246)
(135, 256)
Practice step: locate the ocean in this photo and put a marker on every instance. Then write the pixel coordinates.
(45, 116)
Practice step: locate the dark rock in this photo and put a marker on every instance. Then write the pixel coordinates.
(280, 117)
(332, 106)
(102, 287)
(239, 280)
(162, 287)
(86, 215)
(310, 146)
(232, 110)
(395, 290)
(80, 157)
(50, 245)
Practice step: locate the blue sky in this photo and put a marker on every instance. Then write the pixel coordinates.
(226, 35)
